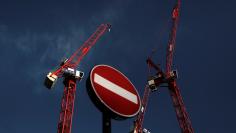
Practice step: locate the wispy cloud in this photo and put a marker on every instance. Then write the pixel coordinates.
(49, 47)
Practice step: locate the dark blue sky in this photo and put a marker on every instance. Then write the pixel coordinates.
(35, 35)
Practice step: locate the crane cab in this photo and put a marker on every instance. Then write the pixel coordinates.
(70, 72)
(174, 74)
(50, 80)
(146, 131)
(152, 84)
(155, 81)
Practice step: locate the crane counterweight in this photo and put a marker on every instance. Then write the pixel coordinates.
(50, 80)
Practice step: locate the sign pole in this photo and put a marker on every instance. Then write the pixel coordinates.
(106, 123)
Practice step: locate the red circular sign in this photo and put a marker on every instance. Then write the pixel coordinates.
(115, 91)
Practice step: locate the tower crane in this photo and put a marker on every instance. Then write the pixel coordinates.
(68, 70)
(168, 77)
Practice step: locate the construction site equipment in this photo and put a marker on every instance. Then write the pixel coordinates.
(67, 69)
(169, 78)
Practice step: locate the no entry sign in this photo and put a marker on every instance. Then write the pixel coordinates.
(113, 92)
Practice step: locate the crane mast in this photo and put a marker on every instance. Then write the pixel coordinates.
(181, 113)
(68, 70)
(138, 123)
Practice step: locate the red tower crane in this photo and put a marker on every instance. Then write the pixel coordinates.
(168, 77)
(68, 70)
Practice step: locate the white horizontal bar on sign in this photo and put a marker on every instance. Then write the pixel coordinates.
(115, 88)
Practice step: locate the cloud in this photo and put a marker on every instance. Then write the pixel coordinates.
(47, 48)
(63, 44)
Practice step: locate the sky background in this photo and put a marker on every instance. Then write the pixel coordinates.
(35, 35)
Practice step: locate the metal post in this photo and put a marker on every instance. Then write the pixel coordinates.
(106, 123)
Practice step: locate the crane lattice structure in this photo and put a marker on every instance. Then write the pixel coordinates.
(68, 70)
(168, 77)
